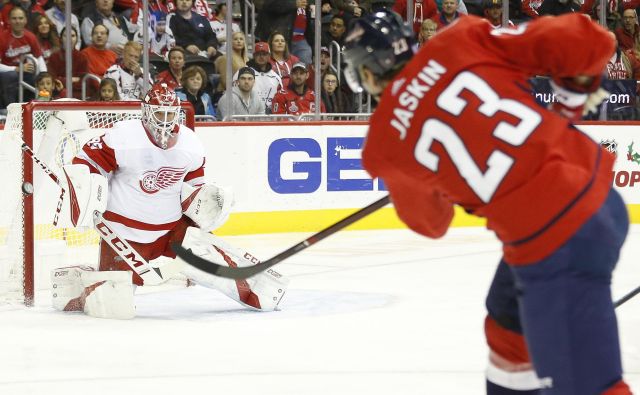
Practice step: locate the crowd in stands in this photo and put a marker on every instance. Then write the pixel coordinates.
(273, 70)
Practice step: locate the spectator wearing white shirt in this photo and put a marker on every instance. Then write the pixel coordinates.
(219, 25)
(128, 74)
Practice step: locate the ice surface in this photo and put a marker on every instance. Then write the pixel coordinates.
(368, 312)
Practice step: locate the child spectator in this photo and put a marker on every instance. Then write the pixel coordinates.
(49, 88)
(46, 34)
(161, 38)
(219, 25)
(193, 89)
(108, 90)
(281, 60)
(427, 30)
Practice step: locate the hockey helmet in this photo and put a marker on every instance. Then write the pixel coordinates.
(161, 115)
(382, 42)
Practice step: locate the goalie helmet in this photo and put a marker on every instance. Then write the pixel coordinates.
(161, 115)
(382, 42)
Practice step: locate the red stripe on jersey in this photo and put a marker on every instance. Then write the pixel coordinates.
(244, 290)
(199, 172)
(507, 344)
(132, 223)
(103, 155)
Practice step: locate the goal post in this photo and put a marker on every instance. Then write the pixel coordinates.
(30, 245)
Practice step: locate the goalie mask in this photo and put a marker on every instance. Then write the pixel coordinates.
(161, 115)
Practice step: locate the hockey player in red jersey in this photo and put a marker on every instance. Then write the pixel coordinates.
(153, 170)
(458, 125)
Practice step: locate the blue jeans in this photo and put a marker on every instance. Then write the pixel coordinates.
(302, 50)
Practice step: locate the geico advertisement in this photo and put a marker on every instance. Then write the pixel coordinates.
(300, 167)
(290, 166)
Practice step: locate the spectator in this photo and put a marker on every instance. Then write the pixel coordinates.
(160, 37)
(492, 11)
(108, 90)
(301, 31)
(449, 13)
(325, 65)
(201, 7)
(193, 89)
(353, 7)
(267, 81)
(32, 9)
(427, 30)
(56, 15)
(98, 57)
(423, 10)
(278, 15)
(119, 30)
(628, 34)
(15, 42)
(239, 59)
(173, 75)
(245, 101)
(57, 62)
(47, 83)
(219, 25)
(128, 73)
(336, 32)
(619, 66)
(334, 98)
(193, 31)
(297, 98)
(46, 34)
(281, 60)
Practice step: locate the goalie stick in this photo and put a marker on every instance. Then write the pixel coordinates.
(626, 297)
(150, 275)
(241, 273)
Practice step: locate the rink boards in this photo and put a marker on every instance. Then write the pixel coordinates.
(305, 176)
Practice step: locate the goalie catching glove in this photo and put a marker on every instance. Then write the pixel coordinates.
(87, 192)
(573, 100)
(208, 205)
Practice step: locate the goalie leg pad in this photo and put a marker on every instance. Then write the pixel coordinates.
(67, 287)
(262, 292)
(108, 295)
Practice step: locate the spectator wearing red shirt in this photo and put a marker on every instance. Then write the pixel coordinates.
(173, 75)
(57, 62)
(97, 56)
(297, 98)
(627, 34)
(14, 43)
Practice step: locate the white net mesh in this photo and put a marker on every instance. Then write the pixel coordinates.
(58, 135)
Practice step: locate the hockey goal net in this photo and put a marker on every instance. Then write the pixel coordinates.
(30, 245)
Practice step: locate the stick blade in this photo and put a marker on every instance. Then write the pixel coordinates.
(237, 273)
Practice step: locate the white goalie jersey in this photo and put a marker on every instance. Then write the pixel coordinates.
(145, 181)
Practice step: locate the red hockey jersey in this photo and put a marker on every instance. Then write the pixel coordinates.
(459, 125)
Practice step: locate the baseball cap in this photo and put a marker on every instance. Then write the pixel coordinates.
(493, 3)
(246, 70)
(324, 50)
(261, 47)
(299, 65)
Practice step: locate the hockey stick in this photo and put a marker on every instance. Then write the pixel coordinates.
(149, 274)
(626, 297)
(241, 273)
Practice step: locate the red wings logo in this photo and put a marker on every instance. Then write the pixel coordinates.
(163, 178)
